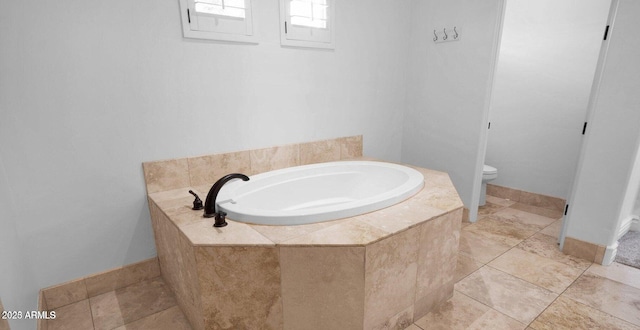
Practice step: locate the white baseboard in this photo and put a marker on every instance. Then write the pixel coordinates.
(626, 226)
(632, 223)
(635, 224)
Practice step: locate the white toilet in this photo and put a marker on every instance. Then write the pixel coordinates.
(488, 173)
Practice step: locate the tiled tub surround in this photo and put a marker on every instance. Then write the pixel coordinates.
(380, 270)
(602, 297)
(205, 170)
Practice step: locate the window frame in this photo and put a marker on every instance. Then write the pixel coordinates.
(285, 24)
(187, 13)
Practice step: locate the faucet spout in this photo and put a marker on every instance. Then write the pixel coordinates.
(210, 203)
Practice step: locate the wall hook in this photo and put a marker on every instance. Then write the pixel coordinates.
(445, 34)
(455, 36)
(435, 36)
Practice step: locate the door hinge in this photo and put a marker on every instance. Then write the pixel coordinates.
(584, 128)
(489, 126)
(606, 32)
(285, 26)
(188, 16)
(566, 209)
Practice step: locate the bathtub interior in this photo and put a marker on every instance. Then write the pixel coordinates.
(318, 192)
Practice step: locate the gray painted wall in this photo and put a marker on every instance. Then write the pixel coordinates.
(90, 91)
(447, 90)
(548, 56)
(608, 158)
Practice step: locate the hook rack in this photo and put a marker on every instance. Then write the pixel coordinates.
(446, 34)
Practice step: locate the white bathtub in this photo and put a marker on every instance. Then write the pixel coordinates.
(319, 192)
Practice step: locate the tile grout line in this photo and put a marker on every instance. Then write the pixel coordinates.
(581, 272)
(560, 294)
(556, 298)
(93, 322)
(563, 292)
(515, 246)
(599, 310)
(480, 302)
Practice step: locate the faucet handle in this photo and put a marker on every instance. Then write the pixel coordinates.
(220, 219)
(197, 203)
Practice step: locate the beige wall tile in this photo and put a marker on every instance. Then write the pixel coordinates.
(438, 192)
(323, 287)
(166, 174)
(121, 277)
(390, 277)
(188, 290)
(437, 261)
(233, 162)
(499, 201)
(240, 287)
(401, 216)
(434, 299)
(437, 252)
(200, 171)
(350, 147)
(580, 249)
(204, 234)
(177, 201)
(600, 250)
(548, 202)
(189, 217)
(194, 171)
(178, 264)
(320, 151)
(503, 192)
(269, 159)
(65, 294)
(208, 169)
(350, 232)
(279, 234)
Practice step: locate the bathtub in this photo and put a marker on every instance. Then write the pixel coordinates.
(318, 192)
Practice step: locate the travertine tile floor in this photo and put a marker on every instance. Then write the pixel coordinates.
(510, 272)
